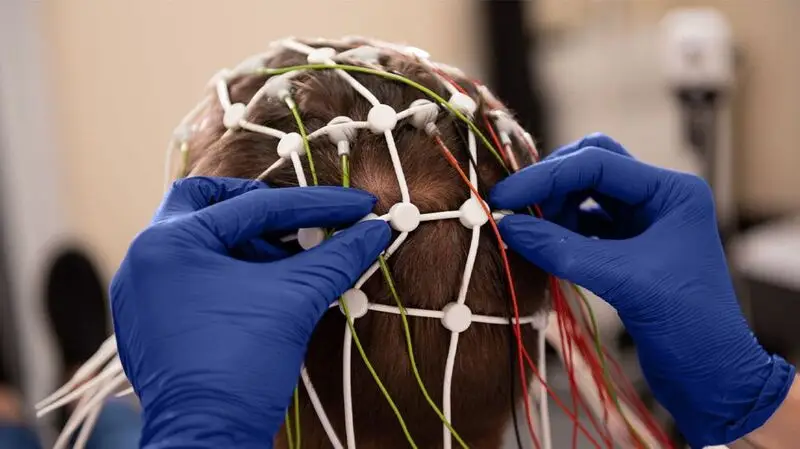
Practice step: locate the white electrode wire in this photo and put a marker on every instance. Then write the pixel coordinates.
(168, 164)
(257, 96)
(434, 216)
(449, 366)
(85, 398)
(222, 94)
(472, 254)
(337, 126)
(100, 358)
(275, 165)
(107, 350)
(394, 310)
(294, 45)
(126, 392)
(502, 320)
(447, 84)
(272, 132)
(174, 142)
(398, 167)
(80, 414)
(372, 99)
(114, 368)
(414, 109)
(438, 314)
(447, 389)
(386, 255)
(298, 170)
(544, 400)
(87, 427)
(323, 417)
(588, 389)
(347, 387)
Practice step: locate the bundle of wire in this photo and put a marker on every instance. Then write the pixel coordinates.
(599, 389)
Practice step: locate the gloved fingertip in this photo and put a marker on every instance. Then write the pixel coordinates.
(375, 234)
(514, 223)
(350, 192)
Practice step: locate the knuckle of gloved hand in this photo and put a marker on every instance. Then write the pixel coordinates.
(602, 140)
(696, 186)
(148, 247)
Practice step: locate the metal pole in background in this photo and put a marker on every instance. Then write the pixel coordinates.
(511, 57)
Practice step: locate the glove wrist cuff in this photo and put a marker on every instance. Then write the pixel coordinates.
(772, 395)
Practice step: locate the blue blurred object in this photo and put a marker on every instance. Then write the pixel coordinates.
(213, 344)
(652, 250)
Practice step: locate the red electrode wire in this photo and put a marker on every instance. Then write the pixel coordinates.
(517, 330)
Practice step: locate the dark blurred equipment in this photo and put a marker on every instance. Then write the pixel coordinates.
(510, 58)
(699, 66)
(767, 260)
(77, 307)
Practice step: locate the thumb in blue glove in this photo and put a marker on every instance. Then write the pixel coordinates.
(652, 251)
(212, 344)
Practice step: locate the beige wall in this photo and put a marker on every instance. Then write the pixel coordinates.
(127, 71)
(767, 122)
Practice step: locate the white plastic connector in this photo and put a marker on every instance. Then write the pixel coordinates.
(370, 216)
(278, 86)
(381, 118)
(505, 124)
(364, 53)
(310, 237)
(234, 115)
(182, 133)
(250, 65)
(222, 74)
(426, 115)
(341, 133)
(501, 214)
(463, 103)
(457, 317)
(321, 55)
(290, 143)
(356, 301)
(404, 217)
(417, 52)
(541, 320)
(472, 214)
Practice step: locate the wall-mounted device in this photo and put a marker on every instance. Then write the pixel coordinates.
(698, 56)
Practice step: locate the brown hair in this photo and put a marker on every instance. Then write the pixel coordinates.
(427, 269)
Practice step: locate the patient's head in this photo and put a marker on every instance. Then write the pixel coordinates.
(427, 268)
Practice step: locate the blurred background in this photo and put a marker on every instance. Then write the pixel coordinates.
(90, 92)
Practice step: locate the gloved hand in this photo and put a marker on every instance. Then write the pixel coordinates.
(213, 344)
(654, 253)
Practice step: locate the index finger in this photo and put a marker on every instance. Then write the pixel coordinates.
(598, 140)
(197, 192)
(589, 169)
(251, 214)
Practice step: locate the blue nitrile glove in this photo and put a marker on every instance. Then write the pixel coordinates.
(213, 344)
(658, 260)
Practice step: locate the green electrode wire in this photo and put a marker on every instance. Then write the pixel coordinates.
(394, 77)
(345, 171)
(297, 415)
(289, 436)
(356, 340)
(382, 261)
(390, 282)
(606, 375)
(303, 134)
(375, 376)
(184, 159)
